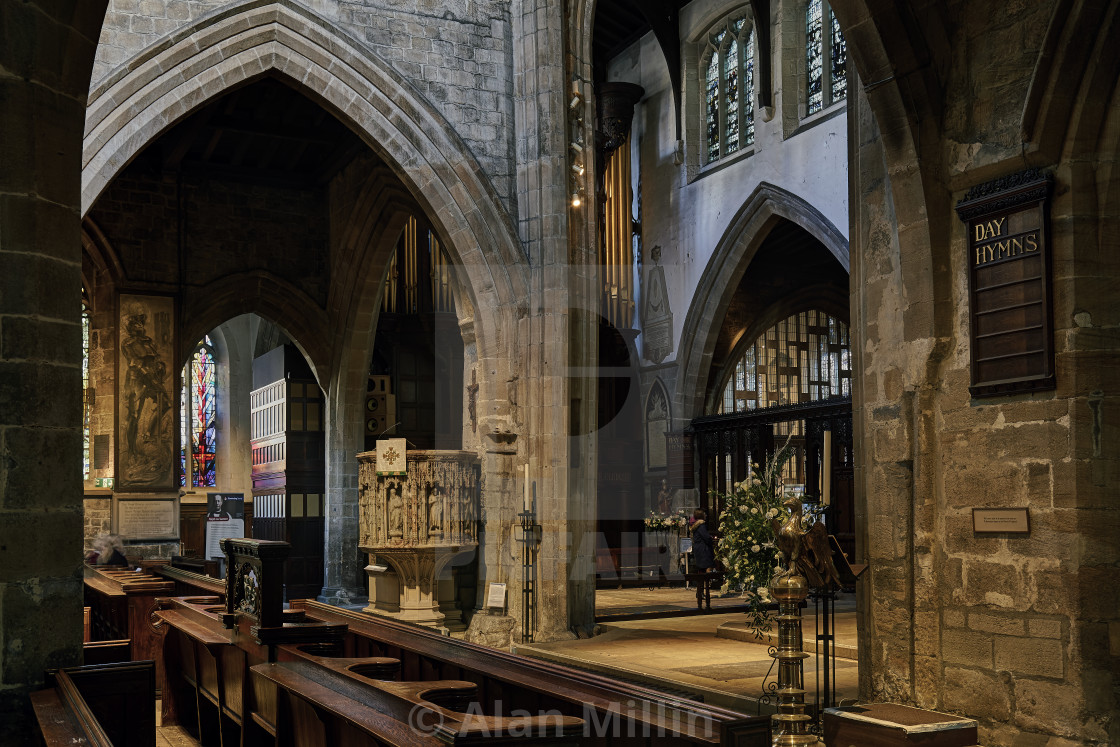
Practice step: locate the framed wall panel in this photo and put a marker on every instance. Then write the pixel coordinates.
(1011, 330)
(147, 394)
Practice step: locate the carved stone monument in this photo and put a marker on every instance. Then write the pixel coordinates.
(413, 526)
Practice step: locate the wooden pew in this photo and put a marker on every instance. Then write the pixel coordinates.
(100, 705)
(188, 578)
(326, 705)
(121, 602)
(509, 682)
(221, 687)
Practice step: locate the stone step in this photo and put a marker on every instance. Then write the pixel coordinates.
(741, 631)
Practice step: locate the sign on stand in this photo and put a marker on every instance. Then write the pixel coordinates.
(225, 519)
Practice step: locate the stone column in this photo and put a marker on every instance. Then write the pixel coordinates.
(46, 54)
(556, 329)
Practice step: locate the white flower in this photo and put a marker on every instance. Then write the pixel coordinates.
(772, 513)
(755, 548)
(754, 510)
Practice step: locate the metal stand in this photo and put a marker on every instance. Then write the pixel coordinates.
(824, 607)
(530, 534)
(790, 723)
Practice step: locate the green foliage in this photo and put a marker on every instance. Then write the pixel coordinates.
(746, 544)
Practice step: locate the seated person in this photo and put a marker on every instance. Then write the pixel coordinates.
(107, 550)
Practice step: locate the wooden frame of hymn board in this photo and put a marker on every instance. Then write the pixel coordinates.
(1010, 293)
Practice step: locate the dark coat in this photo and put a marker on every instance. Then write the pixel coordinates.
(702, 556)
(115, 559)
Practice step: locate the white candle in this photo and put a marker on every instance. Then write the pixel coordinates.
(526, 487)
(826, 476)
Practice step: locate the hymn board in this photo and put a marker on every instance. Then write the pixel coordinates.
(1011, 332)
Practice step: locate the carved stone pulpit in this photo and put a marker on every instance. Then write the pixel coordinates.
(413, 526)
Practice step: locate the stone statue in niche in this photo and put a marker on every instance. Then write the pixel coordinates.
(396, 511)
(665, 499)
(435, 511)
(657, 316)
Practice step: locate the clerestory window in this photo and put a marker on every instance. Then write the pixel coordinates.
(727, 82)
(826, 56)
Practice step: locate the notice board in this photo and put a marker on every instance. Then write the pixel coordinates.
(1011, 331)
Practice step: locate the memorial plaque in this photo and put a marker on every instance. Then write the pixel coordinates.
(147, 518)
(1001, 520)
(1010, 327)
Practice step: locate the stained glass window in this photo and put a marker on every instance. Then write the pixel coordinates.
(199, 434)
(731, 93)
(86, 404)
(839, 58)
(826, 56)
(728, 85)
(804, 358)
(712, 108)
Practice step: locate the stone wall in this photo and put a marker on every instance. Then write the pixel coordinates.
(46, 50)
(455, 54)
(1013, 630)
(199, 230)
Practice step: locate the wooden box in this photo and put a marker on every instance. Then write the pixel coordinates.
(893, 725)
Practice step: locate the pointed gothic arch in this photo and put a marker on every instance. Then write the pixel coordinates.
(748, 229)
(130, 108)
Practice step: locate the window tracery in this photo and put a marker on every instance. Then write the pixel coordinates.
(803, 358)
(826, 56)
(199, 397)
(727, 79)
(86, 403)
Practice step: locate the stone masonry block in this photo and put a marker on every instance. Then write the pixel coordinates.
(966, 647)
(1040, 628)
(986, 623)
(26, 475)
(977, 693)
(1033, 656)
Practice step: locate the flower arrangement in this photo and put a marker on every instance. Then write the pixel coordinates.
(746, 544)
(674, 522)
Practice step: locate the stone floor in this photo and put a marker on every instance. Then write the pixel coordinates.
(708, 656)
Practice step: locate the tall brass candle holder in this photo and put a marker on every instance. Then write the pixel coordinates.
(806, 563)
(791, 722)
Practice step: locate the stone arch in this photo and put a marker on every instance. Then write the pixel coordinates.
(102, 256)
(177, 76)
(266, 295)
(726, 267)
(1073, 73)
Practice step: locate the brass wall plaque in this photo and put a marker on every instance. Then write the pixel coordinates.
(1009, 286)
(1003, 520)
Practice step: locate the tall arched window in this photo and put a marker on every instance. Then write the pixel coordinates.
(199, 433)
(86, 404)
(803, 358)
(727, 79)
(826, 55)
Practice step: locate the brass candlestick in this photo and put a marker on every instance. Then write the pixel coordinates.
(790, 723)
(806, 560)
